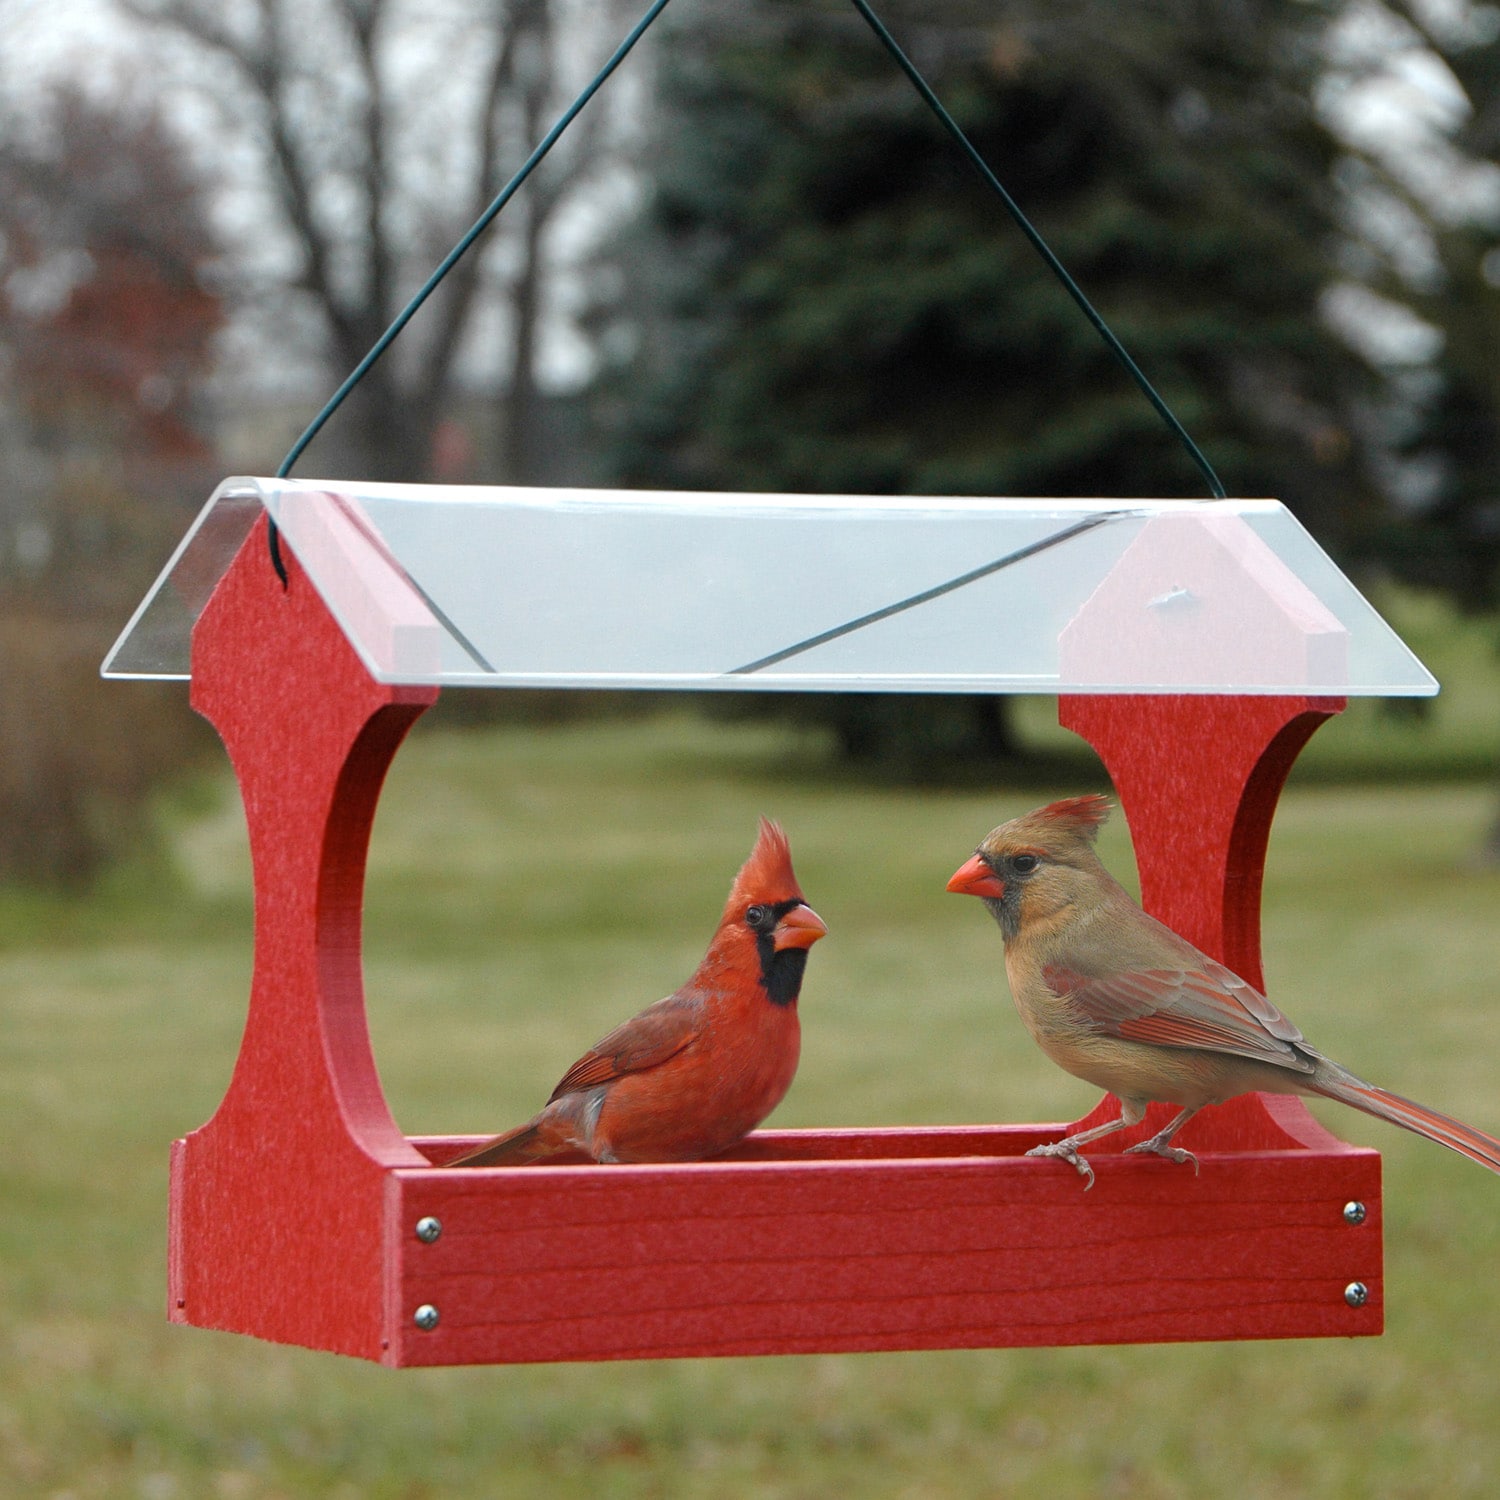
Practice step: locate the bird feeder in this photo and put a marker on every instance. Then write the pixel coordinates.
(1196, 646)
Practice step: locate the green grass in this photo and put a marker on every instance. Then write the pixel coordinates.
(528, 889)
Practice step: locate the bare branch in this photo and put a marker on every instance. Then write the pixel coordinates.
(363, 18)
(453, 312)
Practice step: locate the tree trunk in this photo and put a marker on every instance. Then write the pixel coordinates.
(387, 433)
(518, 430)
(519, 459)
(1489, 850)
(994, 727)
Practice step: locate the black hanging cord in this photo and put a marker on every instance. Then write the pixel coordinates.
(1040, 245)
(928, 595)
(452, 258)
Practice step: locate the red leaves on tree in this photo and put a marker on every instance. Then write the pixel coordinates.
(110, 222)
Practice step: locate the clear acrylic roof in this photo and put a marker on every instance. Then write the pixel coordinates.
(639, 589)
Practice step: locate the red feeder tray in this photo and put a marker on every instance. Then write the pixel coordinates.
(301, 1213)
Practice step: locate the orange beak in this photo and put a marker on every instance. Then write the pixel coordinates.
(801, 927)
(976, 879)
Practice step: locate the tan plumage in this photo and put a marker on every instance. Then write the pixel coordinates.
(1117, 998)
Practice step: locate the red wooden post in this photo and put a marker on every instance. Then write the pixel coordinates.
(1198, 778)
(277, 1202)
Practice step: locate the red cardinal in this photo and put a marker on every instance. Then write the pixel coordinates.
(1114, 997)
(695, 1073)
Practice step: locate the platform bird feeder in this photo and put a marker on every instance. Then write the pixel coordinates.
(1195, 646)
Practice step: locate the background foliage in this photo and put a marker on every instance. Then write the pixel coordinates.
(825, 297)
(793, 281)
(528, 887)
(107, 331)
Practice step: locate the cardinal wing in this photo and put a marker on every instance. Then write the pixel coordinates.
(1207, 1007)
(657, 1033)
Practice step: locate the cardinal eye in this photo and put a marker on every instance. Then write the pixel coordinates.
(756, 916)
(1024, 864)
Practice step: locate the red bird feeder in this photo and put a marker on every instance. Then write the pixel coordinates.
(1196, 647)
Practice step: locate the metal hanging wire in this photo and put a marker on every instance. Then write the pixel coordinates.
(620, 53)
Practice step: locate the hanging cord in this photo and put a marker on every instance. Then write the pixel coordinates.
(1054, 264)
(928, 595)
(451, 259)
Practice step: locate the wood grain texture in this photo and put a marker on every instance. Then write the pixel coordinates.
(808, 1244)
(294, 1209)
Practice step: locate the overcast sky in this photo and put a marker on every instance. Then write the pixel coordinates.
(1385, 93)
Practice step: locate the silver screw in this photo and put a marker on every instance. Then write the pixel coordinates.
(1356, 1294)
(426, 1317)
(429, 1229)
(1354, 1213)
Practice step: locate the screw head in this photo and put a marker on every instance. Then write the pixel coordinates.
(1354, 1213)
(428, 1228)
(1356, 1294)
(426, 1317)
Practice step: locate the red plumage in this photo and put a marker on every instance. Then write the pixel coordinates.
(693, 1074)
(1085, 815)
(767, 875)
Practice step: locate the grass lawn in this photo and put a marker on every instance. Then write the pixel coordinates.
(531, 887)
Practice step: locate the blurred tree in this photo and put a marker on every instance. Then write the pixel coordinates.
(112, 314)
(375, 133)
(1448, 535)
(834, 302)
(107, 322)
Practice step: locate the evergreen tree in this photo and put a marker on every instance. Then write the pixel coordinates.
(1451, 541)
(838, 303)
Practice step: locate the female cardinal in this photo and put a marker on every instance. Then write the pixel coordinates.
(1114, 997)
(695, 1073)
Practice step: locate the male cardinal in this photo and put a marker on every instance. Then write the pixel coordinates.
(1114, 997)
(695, 1073)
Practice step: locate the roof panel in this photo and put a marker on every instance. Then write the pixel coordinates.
(471, 586)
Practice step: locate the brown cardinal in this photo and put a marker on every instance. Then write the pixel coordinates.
(1114, 997)
(695, 1073)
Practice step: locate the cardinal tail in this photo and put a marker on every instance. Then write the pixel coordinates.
(1443, 1129)
(515, 1148)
